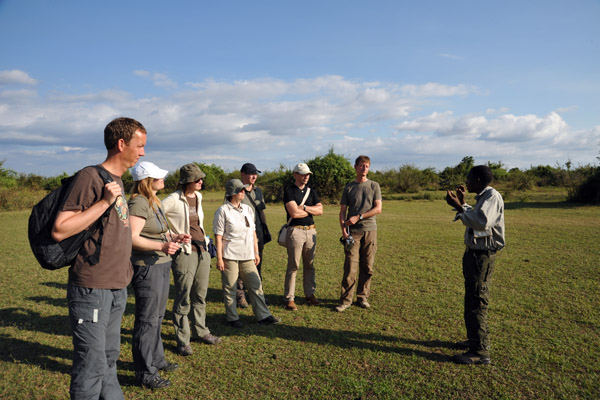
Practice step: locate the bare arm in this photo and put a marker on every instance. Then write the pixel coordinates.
(343, 210)
(377, 208)
(219, 246)
(145, 244)
(256, 252)
(69, 223)
(297, 211)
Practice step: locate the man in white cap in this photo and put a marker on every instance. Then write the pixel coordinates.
(301, 204)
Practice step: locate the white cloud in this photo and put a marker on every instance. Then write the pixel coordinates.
(275, 121)
(434, 89)
(160, 80)
(16, 77)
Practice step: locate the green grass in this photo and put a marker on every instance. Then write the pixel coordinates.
(544, 317)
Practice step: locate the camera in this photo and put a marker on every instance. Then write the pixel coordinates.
(347, 242)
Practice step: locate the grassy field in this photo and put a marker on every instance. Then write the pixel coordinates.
(544, 317)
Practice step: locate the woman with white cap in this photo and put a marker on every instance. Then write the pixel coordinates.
(191, 267)
(237, 255)
(153, 245)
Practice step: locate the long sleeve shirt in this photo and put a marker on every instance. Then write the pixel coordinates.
(484, 221)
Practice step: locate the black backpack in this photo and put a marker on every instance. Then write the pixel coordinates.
(49, 253)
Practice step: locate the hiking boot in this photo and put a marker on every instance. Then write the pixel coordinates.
(169, 367)
(210, 339)
(470, 358)
(242, 303)
(364, 304)
(185, 350)
(235, 324)
(342, 307)
(462, 345)
(270, 320)
(291, 306)
(156, 383)
(312, 300)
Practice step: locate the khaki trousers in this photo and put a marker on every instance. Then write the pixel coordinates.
(247, 271)
(301, 244)
(359, 261)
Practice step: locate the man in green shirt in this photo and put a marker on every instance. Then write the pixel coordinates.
(361, 202)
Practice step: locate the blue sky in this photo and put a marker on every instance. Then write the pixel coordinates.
(277, 82)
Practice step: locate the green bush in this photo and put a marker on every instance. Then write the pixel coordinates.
(451, 177)
(8, 177)
(330, 173)
(273, 182)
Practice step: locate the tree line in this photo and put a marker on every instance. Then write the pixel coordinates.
(331, 172)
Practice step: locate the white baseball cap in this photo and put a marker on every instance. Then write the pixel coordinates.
(146, 169)
(302, 169)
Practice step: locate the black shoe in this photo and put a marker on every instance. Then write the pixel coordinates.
(235, 324)
(462, 345)
(168, 367)
(470, 358)
(157, 383)
(270, 320)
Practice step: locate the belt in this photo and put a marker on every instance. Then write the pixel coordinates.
(304, 227)
(488, 252)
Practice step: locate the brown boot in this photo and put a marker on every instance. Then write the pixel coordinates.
(291, 306)
(312, 300)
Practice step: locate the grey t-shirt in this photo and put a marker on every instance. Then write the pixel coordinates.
(360, 197)
(154, 229)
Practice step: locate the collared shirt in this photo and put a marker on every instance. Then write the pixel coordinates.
(484, 221)
(236, 225)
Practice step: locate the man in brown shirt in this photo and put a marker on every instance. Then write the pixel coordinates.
(97, 294)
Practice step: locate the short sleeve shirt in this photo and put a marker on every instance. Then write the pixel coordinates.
(236, 225)
(360, 197)
(113, 270)
(155, 228)
(294, 193)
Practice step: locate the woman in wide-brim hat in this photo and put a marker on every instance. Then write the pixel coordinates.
(237, 255)
(191, 266)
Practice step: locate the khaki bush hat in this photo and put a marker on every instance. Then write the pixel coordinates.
(234, 186)
(190, 173)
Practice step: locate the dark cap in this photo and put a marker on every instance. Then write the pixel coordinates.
(190, 173)
(249, 168)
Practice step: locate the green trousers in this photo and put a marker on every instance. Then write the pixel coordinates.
(477, 271)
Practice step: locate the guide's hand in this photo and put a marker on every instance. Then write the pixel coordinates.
(460, 194)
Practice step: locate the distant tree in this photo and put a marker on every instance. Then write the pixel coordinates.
(500, 173)
(8, 177)
(451, 177)
(331, 173)
(519, 180)
(273, 182)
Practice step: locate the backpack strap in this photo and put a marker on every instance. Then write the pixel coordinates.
(93, 259)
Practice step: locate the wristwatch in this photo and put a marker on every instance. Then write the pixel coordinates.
(360, 217)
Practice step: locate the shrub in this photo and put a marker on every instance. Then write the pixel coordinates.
(330, 173)
(273, 183)
(451, 177)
